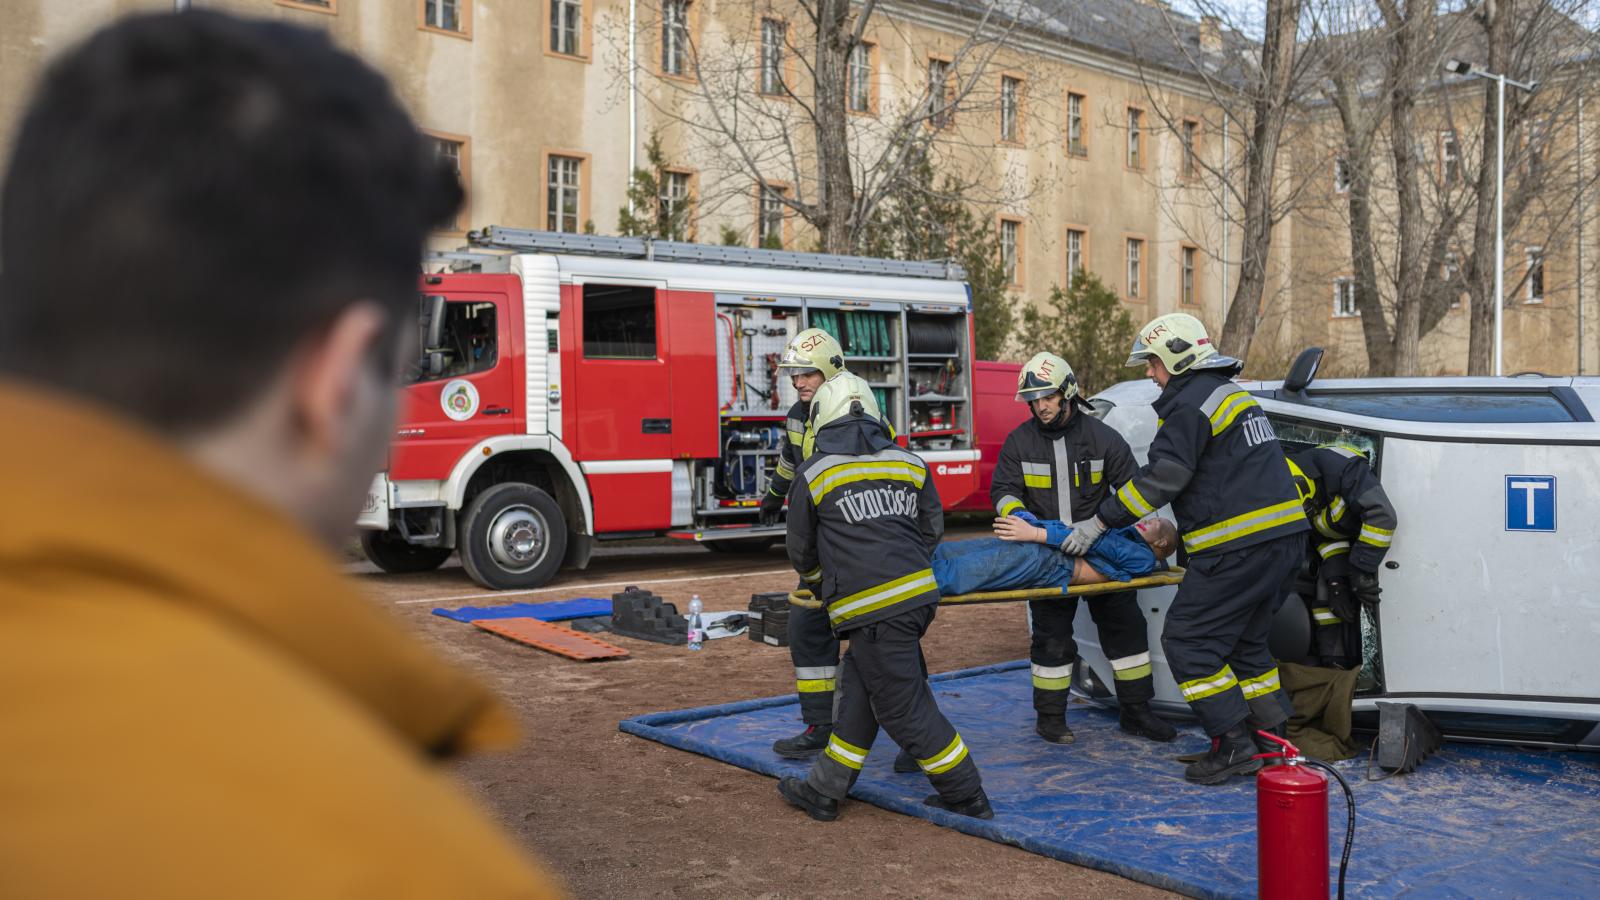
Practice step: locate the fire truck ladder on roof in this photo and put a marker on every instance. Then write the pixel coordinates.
(523, 240)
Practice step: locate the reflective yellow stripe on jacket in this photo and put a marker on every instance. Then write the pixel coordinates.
(1253, 522)
(887, 470)
(880, 596)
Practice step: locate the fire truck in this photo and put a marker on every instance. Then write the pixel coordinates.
(577, 388)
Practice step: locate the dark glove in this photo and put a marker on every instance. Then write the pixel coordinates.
(1367, 590)
(1341, 601)
(771, 508)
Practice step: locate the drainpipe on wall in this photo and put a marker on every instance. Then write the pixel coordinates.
(1223, 269)
(1581, 191)
(633, 97)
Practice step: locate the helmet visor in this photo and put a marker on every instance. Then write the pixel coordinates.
(1139, 353)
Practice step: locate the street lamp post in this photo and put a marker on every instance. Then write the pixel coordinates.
(1460, 67)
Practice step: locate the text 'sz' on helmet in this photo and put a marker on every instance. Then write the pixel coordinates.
(842, 397)
(1180, 341)
(813, 350)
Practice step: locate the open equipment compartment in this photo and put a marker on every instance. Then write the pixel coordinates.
(940, 378)
(871, 335)
(753, 398)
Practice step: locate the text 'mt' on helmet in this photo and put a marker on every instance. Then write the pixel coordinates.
(842, 397)
(1046, 374)
(813, 350)
(1180, 341)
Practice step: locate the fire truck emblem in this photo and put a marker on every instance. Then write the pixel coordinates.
(459, 399)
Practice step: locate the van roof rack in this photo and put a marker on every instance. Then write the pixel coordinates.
(525, 240)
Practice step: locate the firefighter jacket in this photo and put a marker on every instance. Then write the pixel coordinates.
(1348, 507)
(789, 458)
(864, 518)
(1060, 473)
(1216, 459)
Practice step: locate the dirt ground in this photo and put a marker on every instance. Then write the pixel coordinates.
(616, 816)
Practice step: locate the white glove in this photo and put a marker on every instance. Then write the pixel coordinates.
(1083, 536)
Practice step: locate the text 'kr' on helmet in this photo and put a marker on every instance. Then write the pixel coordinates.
(1180, 341)
(813, 350)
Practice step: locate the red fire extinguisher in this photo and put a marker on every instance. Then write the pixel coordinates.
(1292, 826)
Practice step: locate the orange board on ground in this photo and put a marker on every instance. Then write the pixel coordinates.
(554, 638)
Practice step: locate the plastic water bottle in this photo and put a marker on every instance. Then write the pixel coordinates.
(697, 629)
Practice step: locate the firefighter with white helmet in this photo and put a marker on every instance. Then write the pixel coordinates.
(1060, 464)
(812, 358)
(1216, 459)
(864, 519)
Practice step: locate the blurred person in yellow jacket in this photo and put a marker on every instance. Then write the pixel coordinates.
(211, 231)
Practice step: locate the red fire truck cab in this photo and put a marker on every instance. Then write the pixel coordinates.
(576, 388)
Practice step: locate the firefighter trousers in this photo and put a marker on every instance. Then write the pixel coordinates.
(1123, 635)
(1336, 617)
(1216, 633)
(814, 650)
(883, 681)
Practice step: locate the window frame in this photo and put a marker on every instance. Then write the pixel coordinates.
(1019, 137)
(1189, 269)
(1339, 281)
(585, 30)
(872, 80)
(1083, 249)
(331, 9)
(1083, 124)
(658, 333)
(1019, 247)
(464, 15)
(1447, 139)
(691, 32)
(583, 185)
(1529, 254)
(785, 61)
(1449, 268)
(692, 196)
(947, 118)
(1189, 145)
(1128, 239)
(464, 162)
(1135, 144)
(1341, 166)
(786, 235)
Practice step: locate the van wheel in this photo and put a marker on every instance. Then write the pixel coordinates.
(512, 536)
(738, 545)
(390, 552)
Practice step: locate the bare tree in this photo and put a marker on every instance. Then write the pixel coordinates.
(770, 107)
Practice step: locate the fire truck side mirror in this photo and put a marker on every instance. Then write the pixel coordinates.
(431, 327)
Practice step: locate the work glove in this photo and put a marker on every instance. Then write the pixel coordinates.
(1026, 516)
(771, 508)
(1367, 590)
(1341, 601)
(1083, 536)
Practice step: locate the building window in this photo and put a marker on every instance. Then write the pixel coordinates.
(1011, 250)
(447, 15)
(1535, 276)
(1341, 175)
(330, 7)
(1191, 258)
(675, 37)
(1076, 146)
(1344, 298)
(1135, 138)
(566, 27)
(773, 34)
(619, 322)
(563, 181)
(1536, 140)
(1075, 242)
(453, 152)
(939, 90)
(1449, 157)
(1010, 108)
(859, 78)
(770, 218)
(1189, 134)
(675, 203)
(1449, 273)
(1135, 268)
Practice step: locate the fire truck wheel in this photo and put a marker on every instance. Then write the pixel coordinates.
(512, 536)
(739, 545)
(391, 553)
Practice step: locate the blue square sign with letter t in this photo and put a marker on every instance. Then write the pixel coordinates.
(1530, 503)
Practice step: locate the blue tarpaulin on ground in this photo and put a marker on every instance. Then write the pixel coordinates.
(552, 611)
(1472, 822)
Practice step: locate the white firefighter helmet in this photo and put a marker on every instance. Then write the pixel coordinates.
(1043, 375)
(843, 396)
(1180, 341)
(813, 350)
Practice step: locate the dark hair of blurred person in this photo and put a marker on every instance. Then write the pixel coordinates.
(210, 231)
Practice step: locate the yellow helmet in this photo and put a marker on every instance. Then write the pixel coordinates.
(842, 396)
(1303, 483)
(813, 350)
(1180, 341)
(1044, 375)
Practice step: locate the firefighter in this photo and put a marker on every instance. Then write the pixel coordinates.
(1060, 464)
(864, 518)
(812, 358)
(1354, 523)
(1216, 459)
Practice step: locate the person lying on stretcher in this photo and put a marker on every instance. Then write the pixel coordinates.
(1023, 555)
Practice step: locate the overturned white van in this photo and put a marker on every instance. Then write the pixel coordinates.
(1490, 619)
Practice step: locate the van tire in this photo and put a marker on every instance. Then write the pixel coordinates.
(390, 552)
(512, 536)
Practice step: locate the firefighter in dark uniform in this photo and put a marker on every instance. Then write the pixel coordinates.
(864, 517)
(1354, 524)
(812, 358)
(1216, 459)
(1060, 464)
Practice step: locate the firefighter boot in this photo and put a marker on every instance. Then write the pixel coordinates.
(1231, 754)
(1054, 729)
(804, 745)
(1262, 744)
(978, 807)
(1139, 719)
(905, 763)
(798, 793)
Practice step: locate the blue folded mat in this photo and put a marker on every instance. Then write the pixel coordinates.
(553, 611)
